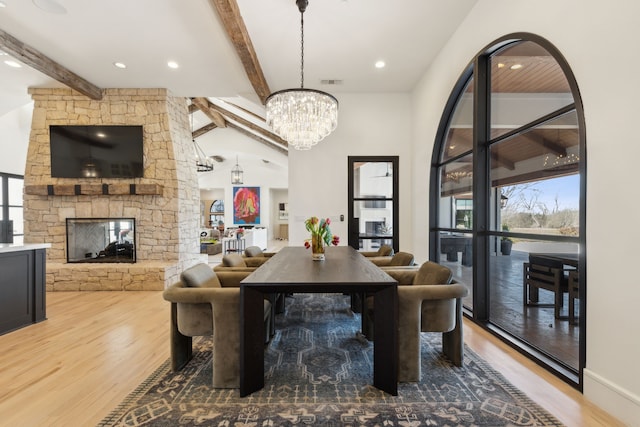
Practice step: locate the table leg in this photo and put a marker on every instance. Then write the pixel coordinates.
(385, 343)
(251, 340)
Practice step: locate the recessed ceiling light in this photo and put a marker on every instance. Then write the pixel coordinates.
(12, 63)
(173, 64)
(119, 65)
(51, 6)
(515, 67)
(380, 64)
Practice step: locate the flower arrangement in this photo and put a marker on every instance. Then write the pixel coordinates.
(320, 235)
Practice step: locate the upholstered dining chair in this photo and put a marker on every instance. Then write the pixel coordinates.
(205, 303)
(255, 251)
(237, 262)
(398, 259)
(428, 301)
(383, 250)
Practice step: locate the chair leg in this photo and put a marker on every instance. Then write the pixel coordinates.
(453, 341)
(181, 345)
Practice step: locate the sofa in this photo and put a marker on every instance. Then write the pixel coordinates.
(205, 303)
(210, 241)
(428, 301)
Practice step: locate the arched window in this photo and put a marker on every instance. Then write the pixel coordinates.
(508, 176)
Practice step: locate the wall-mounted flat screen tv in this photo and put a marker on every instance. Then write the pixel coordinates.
(96, 151)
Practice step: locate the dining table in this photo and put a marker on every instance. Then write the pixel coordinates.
(344, 270)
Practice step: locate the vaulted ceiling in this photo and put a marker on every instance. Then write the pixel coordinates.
(231, 53)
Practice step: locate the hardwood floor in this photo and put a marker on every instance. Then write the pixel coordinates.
(96, 347)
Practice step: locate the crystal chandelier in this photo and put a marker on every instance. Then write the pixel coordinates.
(302, 117)
(237, 173)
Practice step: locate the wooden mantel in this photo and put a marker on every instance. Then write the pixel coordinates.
(94, 189)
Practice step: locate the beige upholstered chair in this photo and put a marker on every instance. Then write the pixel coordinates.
(427, 302)
(236, 262)
(383, 250)
(239, 263)
(255, 251)
(398, 259)
(205, 303)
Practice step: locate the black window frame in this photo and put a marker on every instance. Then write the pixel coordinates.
(479, 71)
(353, 235)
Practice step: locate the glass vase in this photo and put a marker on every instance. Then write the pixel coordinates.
(317, 248)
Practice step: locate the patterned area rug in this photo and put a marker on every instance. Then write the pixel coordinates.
(318, 371)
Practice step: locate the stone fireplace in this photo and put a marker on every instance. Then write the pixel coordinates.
(163, 203)
(101, 240)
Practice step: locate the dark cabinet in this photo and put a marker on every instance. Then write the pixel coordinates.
(22, 288)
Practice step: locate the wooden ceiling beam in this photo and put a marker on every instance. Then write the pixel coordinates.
(247, 124)
(237, 33)
(501, 161)
(204, 129)
(543, 142)
(36, 60)
(258, 138)
(205, 105)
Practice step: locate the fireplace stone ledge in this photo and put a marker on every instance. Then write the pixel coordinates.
(141, 276)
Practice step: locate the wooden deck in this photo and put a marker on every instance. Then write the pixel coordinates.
(535, 325)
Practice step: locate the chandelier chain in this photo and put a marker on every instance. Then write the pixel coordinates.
(301, 49)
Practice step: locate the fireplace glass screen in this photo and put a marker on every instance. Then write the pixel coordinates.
(101, 240)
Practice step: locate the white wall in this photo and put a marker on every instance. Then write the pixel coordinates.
(368, 124)
(595, 38)
(257, 173)
(14, 140)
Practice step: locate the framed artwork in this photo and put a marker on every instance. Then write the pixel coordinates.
(246, 205)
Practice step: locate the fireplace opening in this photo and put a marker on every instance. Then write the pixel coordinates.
(101, 240)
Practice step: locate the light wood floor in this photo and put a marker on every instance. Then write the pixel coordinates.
(96, 347)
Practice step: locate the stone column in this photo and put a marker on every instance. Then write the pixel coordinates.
(167, 223)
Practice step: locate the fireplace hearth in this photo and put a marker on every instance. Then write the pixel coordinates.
(101, 240)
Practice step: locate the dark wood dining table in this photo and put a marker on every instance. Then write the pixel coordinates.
(344, 270)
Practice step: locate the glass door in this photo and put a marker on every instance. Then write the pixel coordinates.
(373, 202)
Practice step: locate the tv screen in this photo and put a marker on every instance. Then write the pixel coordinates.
(96, 151)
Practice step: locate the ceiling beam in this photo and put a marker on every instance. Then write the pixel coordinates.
(205, 105)
(246, 123)
(204, 129)
(502, 161)
(233, 23)
(258, 138)
(543, 142)
(36, 60)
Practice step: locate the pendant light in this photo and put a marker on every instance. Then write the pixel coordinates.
(302, 117)
(237, 173)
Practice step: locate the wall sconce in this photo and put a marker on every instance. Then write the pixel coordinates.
(237, 173)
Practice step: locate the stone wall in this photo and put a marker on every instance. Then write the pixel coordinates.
(167, 224)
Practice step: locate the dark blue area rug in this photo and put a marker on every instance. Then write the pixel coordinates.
(318, 371)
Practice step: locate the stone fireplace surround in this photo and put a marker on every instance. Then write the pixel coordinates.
(164, 202)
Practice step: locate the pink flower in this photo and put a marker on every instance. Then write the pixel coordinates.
(307, 244)
(328, 221)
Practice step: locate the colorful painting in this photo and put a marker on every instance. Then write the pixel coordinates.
(246, 205)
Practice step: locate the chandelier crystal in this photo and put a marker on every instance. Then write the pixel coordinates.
(302, 117)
